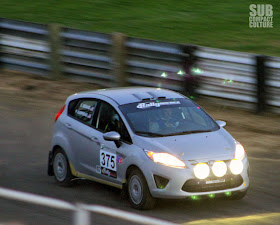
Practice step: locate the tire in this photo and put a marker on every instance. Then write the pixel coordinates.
(238, 195)
(138, 191)
(61, 169)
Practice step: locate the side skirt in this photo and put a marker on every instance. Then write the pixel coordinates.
(81, 175)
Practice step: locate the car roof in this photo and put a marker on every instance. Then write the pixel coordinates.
(128, 95)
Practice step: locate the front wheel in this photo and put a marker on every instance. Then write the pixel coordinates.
(138, 191)
(61, 169)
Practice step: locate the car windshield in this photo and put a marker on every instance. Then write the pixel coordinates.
(167, 117)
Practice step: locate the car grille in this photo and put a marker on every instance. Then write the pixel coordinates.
(196, 185)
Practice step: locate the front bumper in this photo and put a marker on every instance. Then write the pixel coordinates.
(182, 182)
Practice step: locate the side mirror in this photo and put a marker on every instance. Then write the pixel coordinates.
(113, 136)
(221, 123)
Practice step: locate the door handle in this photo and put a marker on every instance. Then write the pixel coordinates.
(68, 125)
(95, 139)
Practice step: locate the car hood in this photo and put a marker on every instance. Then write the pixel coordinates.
(191, 146)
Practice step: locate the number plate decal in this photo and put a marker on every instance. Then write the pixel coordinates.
(108, 160)
(215, 181)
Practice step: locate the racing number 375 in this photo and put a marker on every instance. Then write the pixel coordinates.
(108, 160)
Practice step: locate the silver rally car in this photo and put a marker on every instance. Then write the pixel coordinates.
(152, 142)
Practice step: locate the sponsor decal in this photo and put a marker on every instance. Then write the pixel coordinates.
(88, 107)
(119, 159)
(215, 181)
(84, 114)
(98, 169)
(81, 113)
(108, 172)
(156, 104)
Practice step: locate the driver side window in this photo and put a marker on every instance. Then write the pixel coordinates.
(109, 120)
(194, 114)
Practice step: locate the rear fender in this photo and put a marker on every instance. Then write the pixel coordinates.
(60, 141)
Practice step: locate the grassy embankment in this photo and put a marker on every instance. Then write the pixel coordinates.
(219, 24)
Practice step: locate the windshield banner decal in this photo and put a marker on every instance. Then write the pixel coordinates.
(156, 104)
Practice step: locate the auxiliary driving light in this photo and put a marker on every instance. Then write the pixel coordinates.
(236, 166)
(201, 170)
(219, 168)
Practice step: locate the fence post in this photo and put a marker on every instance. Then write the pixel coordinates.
(189, 62)
(261, 84)
(55, 46)
(81, 216)
(118, 57)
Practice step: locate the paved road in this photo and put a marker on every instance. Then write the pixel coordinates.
(25, 134)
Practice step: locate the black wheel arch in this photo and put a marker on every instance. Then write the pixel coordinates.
(50, 159)
(149, 201)
(131, 168)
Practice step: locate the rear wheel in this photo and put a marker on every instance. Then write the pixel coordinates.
(61, 169)
(138, 191)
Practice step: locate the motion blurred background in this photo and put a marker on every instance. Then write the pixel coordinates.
(30, 96)
(219, 24)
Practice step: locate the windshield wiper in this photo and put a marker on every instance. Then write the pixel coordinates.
(149, 133)
(190, 132)
(200, 131)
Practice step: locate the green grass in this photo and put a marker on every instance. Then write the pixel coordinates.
(219, 24)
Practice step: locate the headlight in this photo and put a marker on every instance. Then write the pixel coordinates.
(165, 159)
(239, 151)
(236, 166)
(201, 170)
(219, 168)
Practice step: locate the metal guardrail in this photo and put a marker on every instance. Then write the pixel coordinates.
(81, 211)
(273, 81)
(87, 54)
(92, 56)
(147, 60)
(227, 74)
(24, 47)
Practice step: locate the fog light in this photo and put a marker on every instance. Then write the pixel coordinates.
(161, 182)
(201, 170)
(194, 197)
(211, 195)
(236, 166)
(219, 168)
(228, 193)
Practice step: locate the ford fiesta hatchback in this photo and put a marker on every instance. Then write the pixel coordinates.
(152, 142)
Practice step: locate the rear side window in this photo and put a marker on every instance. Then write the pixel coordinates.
(83, 110)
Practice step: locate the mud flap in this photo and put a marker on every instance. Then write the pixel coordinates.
(50, 164)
